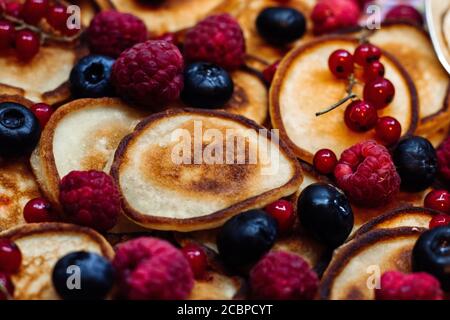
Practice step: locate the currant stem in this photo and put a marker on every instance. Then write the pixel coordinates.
(337, 104)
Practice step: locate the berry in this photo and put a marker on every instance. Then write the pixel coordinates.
(245, 238)
(13, 8)
(149, 74)
(404, 12)
(19, 129)
(91, 77)
(367, 53)
(27, 44)
(7, 34)
(34, 10)
(217, 39)
(373, 71)
(416, 163)
(326, 213)
(443, 155)
(111, 32)
(206, 86)
(388, 130)
(325, 161)
(90, 198)
(281, 25)
(283, 212)
(150, 268)
(430, 254)
(57, 16)
(10, 256)
(43, 112)
(340, 63)
(367, 174)
(38, 210)
(333, 15)
(360, 116)
(283, 276)
(379, 92)
(6, 287)
(197, 259)
(395, 285)
(438, 200)
(269, 72)
(96, 276)
(440, 220)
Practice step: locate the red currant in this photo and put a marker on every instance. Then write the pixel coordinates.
(57, 17)
(340, 63)
(438, 200)
(27, 44)
(388, 130)
(283, 212)
(366, 54)
(269, 72)
(6, 287)
(360, 116)
(379, 92)
(10, 256)
(373, 71)
(13, 9)
(197, 259)
(34, 10)
(325, 161)
(441, 220)
(7, 33)
(43, 112)
(38, 210)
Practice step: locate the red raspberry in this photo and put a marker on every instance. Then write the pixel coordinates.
(417, 286)
(443, 155)
(149, 74)
(217, 39)
(112, 32)
(90, 198)
(367, 174)
(283, 276)
(332, 15)
(150, 268)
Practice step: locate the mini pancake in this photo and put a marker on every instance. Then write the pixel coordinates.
(354, 266)
(303, 85)
(166, 186)
(88, 10)
(438, 137)
(42, 245)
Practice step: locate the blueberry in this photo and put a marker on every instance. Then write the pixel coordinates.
(95, 274)
(326, 213)
(206, 86)
(431, 254)
(245, 238)
(90, 77)
(416, 162)
(19, 129)
(281, 25)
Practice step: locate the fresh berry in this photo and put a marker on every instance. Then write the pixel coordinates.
(283, 276)
(326, 213)
(431, 254)
(13, 8)
(388, 130)
(150, 268)
(43, 112)
(395, 285)
(217, 39)
(10, 256)
(360, 116)
(281, 25)
(206, 86)
(38, 210)
(27, 44)
(90, 198)
(111, 32)
(197, 259)
(367, 53)
(6, 287)
(34, 10)
(443, 155)
(245, 238)
(7, 34)
(340, 63)
(438, 200)
(416, 163)
(379, 92)
(325, 161)
(96, 276)
(283, 212)
(149, 74)
(332, 15)
(269, 72)
(373, 71)
(19, 129)
(440, 220)
(367, 174)
(57, 16)
(91, 77)
(404, 12)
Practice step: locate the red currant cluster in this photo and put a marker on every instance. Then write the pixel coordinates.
(22, 25)
(439, 200)
(10, 262)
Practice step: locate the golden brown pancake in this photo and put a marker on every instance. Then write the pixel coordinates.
(438, 22)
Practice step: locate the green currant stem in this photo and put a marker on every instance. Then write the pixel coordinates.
(350, 95)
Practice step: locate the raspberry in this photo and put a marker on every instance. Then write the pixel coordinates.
(283, 276)
(149, 74)
(417, 286)
(111, 32)
(332, 15)
(443, 155)
(367, 174)
(90, 198)
(150, 268)
(217, 39)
